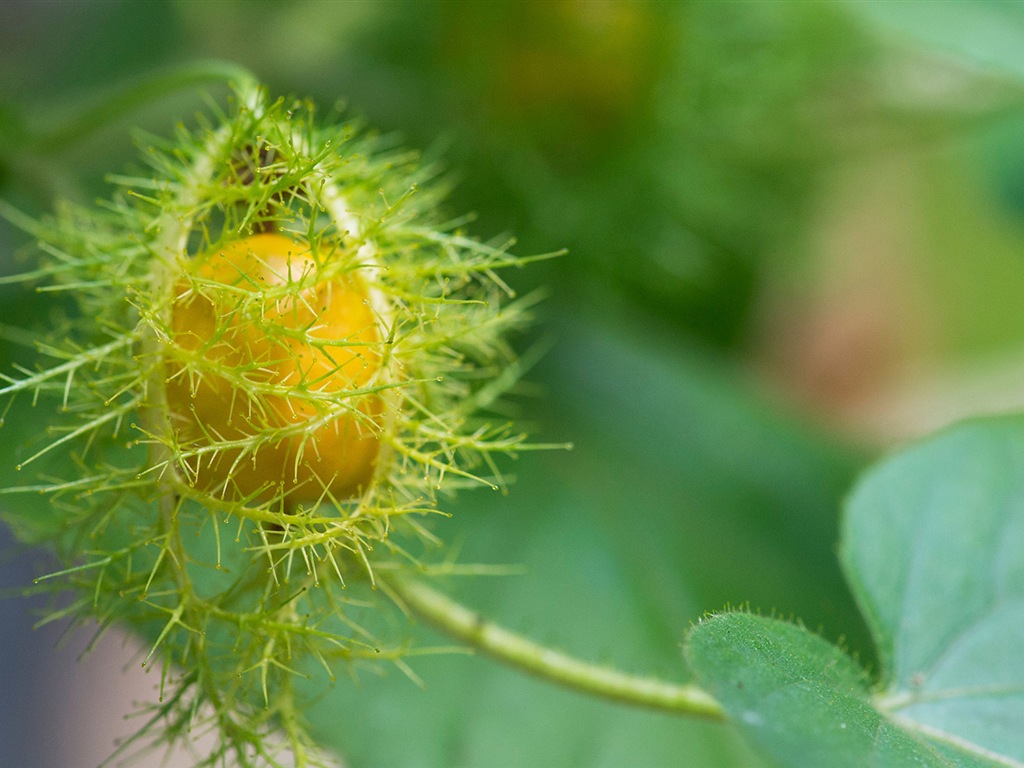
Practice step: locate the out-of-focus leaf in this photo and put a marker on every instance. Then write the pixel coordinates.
(985, 33)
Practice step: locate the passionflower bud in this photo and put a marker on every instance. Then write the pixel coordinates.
(280, 354)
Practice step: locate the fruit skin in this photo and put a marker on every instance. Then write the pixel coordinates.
(259, 314)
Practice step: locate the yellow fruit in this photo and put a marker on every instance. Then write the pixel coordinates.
(264, 345)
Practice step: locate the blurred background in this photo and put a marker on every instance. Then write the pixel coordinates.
(795, 239)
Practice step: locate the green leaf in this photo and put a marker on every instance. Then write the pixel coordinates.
(798, 698)
(984, 33)
(934, 549)
(932, 545)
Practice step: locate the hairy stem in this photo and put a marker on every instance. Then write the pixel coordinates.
(470, 627)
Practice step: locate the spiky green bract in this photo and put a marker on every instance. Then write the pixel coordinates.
(241, 596)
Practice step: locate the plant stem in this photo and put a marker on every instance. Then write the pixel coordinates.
(470, 627)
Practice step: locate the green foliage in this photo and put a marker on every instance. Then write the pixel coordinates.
(931, 545)
(984, 34)
(796, 697)
(683, 152)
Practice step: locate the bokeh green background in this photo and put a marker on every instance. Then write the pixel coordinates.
(794, 236)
